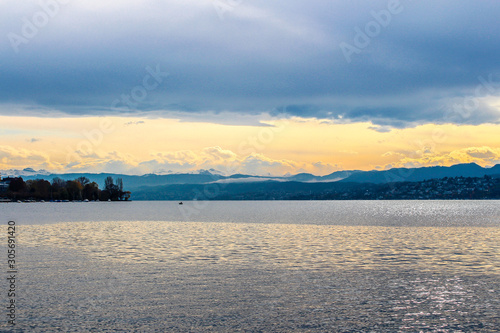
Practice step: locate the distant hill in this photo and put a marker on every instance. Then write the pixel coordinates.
(335, 176)
(419, 174)
(132, 182)
(140, 186)
(449, 188)
(264, 190)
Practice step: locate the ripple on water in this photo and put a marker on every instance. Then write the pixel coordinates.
(226, 277)
(462, 249)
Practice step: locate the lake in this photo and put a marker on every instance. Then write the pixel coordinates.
(250, 266)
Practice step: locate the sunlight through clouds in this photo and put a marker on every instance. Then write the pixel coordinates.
(250, 86)
(111, 144)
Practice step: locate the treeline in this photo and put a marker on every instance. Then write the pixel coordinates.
(59, 189)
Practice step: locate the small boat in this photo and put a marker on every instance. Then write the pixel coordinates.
(180, 203)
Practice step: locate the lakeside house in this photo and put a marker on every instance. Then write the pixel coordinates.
(4, 184)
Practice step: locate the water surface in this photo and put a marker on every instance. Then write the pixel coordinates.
(259, 266)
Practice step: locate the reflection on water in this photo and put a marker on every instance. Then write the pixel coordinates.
(228, 277)
(460, 250)
(377, 213)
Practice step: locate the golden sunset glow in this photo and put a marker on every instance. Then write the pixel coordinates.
(146, 145)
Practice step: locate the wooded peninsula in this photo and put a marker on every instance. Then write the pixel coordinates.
(80, 189)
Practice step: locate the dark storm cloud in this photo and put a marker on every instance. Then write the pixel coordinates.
(422, 60)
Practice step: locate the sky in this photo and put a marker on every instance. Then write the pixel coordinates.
(255, 87)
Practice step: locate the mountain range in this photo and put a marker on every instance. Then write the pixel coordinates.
(150, 185)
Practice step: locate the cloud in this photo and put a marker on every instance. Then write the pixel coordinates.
(138, 122)
(263, 57)
(483, 152)
(381, 129)
(113, 162)
(245, 180)
(485, 156)
(258, 163)
(222, 160)
(320, 168)
(216, 159)
(17, 158)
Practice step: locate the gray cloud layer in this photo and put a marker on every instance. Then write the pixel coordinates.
(425, 62)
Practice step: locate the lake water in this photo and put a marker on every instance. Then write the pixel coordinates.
(272, 266)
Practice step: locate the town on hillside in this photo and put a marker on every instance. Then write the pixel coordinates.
(447, 188)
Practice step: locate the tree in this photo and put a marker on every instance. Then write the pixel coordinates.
(58, 183)
(17, 188)
(74, 189)
(109, 184)
(119, 184)
(38, 189)
(91, 191)
(83, 180)
(58, 189)
(111, 191)
(126, 195)
(17, 185)
(114, 191)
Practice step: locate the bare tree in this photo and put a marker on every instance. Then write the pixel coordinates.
(83, 180)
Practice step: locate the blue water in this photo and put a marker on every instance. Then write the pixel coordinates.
(381, 266)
